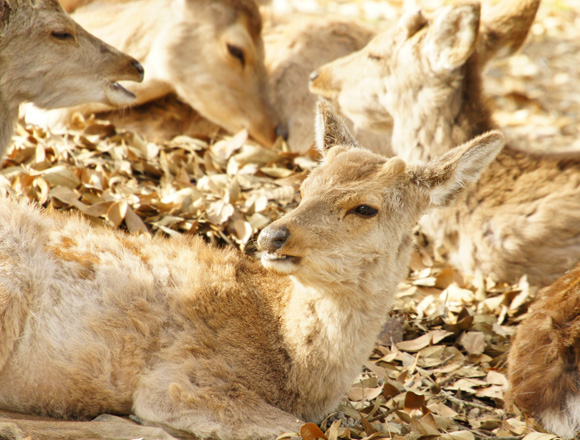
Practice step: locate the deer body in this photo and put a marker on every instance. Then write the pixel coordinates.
(50, 60)
(210, 54)
(543, 363)
(204, 340)
(523, 216)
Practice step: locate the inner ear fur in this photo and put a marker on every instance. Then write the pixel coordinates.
(5, 13)
(446, 177)
(331, 129)
(452, 37)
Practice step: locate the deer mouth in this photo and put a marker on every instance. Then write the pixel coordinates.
(281, 263)
(118, 95)
(275, 256)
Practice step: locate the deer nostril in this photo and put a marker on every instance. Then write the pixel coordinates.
(314, 75)
(138, 67)
(281, 130)
(273, 238)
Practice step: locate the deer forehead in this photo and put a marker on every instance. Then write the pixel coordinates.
(354, 174)
(230, 11)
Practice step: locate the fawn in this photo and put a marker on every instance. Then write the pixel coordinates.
(210, 53)
(523, 216)
(544, 358)
(50, 60)
(206, 340)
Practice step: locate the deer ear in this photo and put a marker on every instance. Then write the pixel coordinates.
(504, 28)
(411, 22)
(5, 12)
(445, 177)
(330, 129)
(452, 37)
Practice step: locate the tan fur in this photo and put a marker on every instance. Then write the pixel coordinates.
(18, 426)
(544, 360)
(206, 340)
(523, 216)
(183, 45)
(294, 48)
(50, 60)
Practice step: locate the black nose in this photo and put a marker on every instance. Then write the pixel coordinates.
(281, 130)
(139, 68)
(314, 75)
(273, 238)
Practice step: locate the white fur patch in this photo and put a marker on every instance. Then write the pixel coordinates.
(564, 423)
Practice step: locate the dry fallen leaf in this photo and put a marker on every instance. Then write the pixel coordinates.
(450, 335)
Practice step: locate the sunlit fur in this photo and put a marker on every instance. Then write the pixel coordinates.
(53, 73)
(183, 45)
(206, 340)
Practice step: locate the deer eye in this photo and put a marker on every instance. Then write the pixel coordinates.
(374, 57)
(365, 211)
(63, 36)
(238, 53)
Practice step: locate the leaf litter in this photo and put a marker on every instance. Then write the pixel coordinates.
(438, 370)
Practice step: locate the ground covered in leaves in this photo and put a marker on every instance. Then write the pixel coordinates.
(438, 369)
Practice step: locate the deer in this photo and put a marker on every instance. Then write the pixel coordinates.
(523, 215)
(209, 53)
(296, 47)
(50, 60)
(543, 361)
(206, 340)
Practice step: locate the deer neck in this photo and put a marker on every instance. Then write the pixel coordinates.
(8, 116)
(330, 334)
(443, 115)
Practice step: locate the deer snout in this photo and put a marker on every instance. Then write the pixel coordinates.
(314, 75)
(139, 68)
(322, 84)
(273, 238)
(282, 131)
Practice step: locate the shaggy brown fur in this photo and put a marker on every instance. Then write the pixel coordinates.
(48, 59)
(543, 364)
(210, 53)
(205, 340)
(523, 216)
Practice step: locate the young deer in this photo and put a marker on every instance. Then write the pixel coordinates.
(50, 60)
(206, 340)
(210, 53)
(523, 216)
(544, 360)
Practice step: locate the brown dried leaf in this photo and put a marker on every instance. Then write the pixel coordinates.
(433, 337)
(310, 431)
(413, 401)
(473, 342)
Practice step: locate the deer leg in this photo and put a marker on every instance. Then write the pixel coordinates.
(225, 411)
(13, 312)
(106, 427)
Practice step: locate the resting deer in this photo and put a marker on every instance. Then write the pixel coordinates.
(523, 216)
(206, 340)
(210, 53)
(293, 50)
(544, 360)
(50, 60)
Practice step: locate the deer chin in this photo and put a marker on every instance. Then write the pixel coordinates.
(281, 263)
(117, 95)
